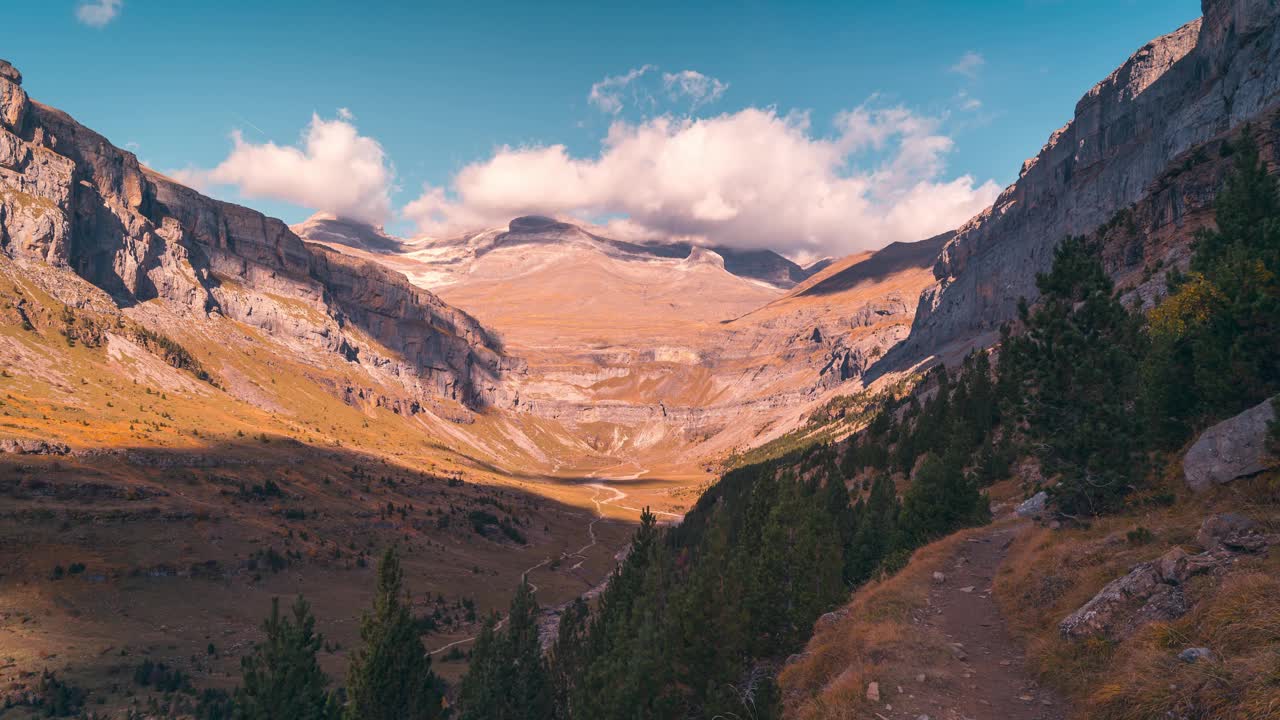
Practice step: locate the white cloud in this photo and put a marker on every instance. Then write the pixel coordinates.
(334, 169)
(608, 93)
(700, 89)
(97, 13)
(753, 178)
(345, 114)
(642, 88)
(967, 101)
(969, 64)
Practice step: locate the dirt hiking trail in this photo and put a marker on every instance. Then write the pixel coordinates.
(994, 681)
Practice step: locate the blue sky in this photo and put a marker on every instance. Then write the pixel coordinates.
(439, 86)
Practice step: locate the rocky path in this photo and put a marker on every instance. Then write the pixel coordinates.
(991, 677)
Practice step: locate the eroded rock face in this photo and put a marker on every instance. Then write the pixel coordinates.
(1234, 448)
(1177, 92)
(71, 199)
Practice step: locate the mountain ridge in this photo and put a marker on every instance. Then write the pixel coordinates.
(1178, 91)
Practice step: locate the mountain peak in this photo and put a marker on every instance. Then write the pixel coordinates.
(704, 256)
(538, 223)
(327, 228)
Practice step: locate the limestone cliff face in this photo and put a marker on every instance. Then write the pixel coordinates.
(1177, 92)
(71, 199)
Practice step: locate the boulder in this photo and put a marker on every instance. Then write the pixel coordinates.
(831, 618)
(1231, 531)
(1033, 506)
(1126, 604)
(1173, 566)
(1234, 448)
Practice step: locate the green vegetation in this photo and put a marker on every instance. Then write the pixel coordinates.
(172, 353)
(281, 678)
(149, 674)
(1069, 381)
(507, 679)
(390, 678)
(1215, 344)
(1094, 390)
(692, 622)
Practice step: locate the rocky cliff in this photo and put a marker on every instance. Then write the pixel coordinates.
(1177, 92)
(71, 199)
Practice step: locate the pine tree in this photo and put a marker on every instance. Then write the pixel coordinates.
(876, 531)
(508, 679)
(566, 661)
(390, 678)
(1076, 374)
(481, 691)
(529, 683)
(942, 499)
(281, 677)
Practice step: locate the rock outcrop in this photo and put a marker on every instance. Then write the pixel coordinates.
(1152, 591)
(1033, 506)
(1177, 92)
(71, 199)
(1234, 448)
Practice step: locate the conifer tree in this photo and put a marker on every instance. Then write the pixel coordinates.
(1077, 374)
(565, 663)
(508, 679)
(481, 691)
(281, 677)
(390, 677)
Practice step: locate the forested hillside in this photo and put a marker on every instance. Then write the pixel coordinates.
(699, 617)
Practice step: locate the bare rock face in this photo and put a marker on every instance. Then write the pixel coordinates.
(1234, 448)
(71, 199)
(1177, 92)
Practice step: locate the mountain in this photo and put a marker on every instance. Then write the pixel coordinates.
(202, 408)
(1176, 93)
(677, 353)
(326, 228)
(74, 202)
(455, 255)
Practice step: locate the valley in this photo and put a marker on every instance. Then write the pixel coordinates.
(1018, 467)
